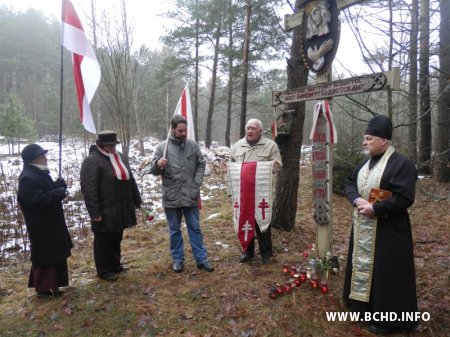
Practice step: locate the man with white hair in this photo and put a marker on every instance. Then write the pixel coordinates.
(255, 147)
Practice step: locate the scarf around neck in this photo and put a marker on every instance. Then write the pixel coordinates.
(119, 168)
(41, 167)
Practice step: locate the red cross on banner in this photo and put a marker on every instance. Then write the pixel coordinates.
(263, 205)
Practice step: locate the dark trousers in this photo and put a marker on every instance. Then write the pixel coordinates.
(107, 252)
(264, 241)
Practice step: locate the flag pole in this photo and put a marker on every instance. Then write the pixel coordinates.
(167, 144)
(61, 89)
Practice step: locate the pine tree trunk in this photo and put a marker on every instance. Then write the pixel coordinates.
(208, 138)
(424, 89)
(412, 101)
(285, 204)
(442, 164)
(197, 72)
(230, 85)
(248, 13)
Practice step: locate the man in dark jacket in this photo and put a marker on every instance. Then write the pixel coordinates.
(111, 196)
(41, 202)
(380, 276)
(180, 163)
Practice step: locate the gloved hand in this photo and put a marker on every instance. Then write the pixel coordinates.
(60, 182)
(60, 193)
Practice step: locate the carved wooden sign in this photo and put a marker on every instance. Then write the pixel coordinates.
(354, 85)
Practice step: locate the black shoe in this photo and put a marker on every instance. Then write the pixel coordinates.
(245, 258)
(109, 276)
(48, 294)
(178, 267)
(206, 266)
(265, 260)
(381, 330)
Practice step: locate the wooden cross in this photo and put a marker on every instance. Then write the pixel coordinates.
(325, 88)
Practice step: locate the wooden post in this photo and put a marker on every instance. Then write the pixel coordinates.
(324, 231)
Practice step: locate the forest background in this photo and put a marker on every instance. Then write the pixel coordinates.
(141, 86)
(226, 52)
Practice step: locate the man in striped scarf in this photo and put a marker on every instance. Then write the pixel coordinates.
(111, 196)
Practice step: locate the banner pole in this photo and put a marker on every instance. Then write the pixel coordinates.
(61, 89)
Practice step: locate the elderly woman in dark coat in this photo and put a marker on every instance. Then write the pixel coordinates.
(41, 202)
(111, 196)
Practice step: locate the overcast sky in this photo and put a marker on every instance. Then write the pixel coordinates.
(145, 16)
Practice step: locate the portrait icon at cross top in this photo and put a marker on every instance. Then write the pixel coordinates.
(318, 18)
(320, 34)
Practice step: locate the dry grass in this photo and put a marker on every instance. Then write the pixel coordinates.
(150, 300)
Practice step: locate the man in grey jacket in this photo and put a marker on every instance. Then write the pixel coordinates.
(181, 166)
(255, 147)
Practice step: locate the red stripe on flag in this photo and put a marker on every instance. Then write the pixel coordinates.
(70, 16)
(184, 105)
(330, 121)
(247, 204)
(79, 85)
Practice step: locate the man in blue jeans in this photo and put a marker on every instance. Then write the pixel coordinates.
(180, 163)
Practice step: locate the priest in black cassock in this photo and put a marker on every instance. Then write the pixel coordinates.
(380, 276)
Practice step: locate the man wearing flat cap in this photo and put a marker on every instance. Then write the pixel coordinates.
(380, 275)
(111, 196)
(41, 202)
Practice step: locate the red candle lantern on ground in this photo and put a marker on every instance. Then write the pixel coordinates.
(314, 281)
(293, 270)
(303, 275)
(297, 280)
(287, 287)
(279, 289)
(324, 287)
(285, 268)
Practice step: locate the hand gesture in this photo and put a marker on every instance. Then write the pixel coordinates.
(314, 53)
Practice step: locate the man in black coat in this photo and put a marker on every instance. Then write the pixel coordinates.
(41, 202)
(111, 196)
(380, 275)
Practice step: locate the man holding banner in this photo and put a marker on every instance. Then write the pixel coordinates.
(255, 162)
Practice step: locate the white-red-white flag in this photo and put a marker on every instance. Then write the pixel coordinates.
(86, 69)
(184, 109)
(326, 120)
(251, 192)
